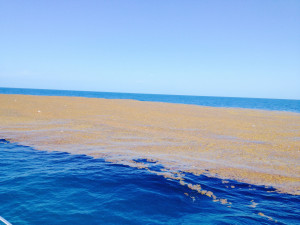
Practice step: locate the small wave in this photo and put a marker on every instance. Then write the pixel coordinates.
(39, 187)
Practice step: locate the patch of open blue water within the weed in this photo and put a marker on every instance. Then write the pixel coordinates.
(38, 187)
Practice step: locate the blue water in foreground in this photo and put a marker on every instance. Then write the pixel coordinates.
(38, 187)
(251, 103)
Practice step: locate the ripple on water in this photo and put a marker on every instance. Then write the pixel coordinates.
(38, 187)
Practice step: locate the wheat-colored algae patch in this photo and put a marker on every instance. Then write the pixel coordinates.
(254, 146)
(268, 217)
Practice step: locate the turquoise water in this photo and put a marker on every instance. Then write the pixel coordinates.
(251, 103)
(38, 187)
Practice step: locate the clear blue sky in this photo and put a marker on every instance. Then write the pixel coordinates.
(211, 48)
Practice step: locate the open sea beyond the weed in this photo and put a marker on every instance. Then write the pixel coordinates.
(249, 103)
(49, 188)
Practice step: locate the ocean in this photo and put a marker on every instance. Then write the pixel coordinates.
(248, 103)
(41, 187)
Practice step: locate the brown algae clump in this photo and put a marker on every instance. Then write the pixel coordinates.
(253, 146)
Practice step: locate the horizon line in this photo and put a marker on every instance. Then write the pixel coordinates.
(191, 95)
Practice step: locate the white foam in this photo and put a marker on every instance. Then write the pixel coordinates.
(4, 221)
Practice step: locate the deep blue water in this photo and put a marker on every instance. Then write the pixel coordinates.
(38, 187)
(251, 103)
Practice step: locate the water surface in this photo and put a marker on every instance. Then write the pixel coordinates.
(251, 103)
(39, 187)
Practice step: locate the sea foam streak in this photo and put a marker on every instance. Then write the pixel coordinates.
(253, 146)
